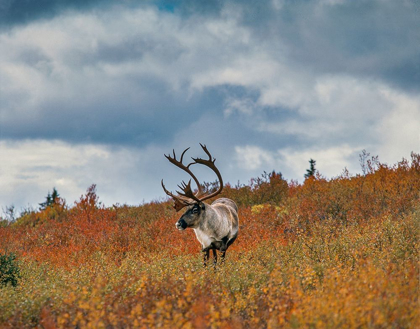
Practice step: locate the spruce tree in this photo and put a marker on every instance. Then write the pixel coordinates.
(311, 171)
(50, 200)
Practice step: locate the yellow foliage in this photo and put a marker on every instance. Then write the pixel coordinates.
(329, 254)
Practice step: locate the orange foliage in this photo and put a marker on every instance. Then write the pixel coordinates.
(326, 253)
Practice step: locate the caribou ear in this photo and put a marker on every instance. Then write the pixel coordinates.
(202, 206)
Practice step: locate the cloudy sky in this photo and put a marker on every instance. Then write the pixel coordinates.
(96, 91)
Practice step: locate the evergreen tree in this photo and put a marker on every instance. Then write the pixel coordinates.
(54, 195)
(311, 171)
(51, 199)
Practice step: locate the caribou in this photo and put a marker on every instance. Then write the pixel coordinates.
(215, 225)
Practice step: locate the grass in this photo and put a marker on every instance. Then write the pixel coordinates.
(339, 253)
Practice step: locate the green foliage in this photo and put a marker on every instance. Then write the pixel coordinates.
(9, 270)
(3, 222)
(51, 199)
(311, 171)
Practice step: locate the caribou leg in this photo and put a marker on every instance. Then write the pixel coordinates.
(206, 257)
(223, 256)
(214, 257)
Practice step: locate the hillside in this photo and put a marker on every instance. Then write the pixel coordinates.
(328, 253)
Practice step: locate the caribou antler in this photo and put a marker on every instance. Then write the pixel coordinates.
(210, 163)
(187, 197)
(179, 164)
(180, 201)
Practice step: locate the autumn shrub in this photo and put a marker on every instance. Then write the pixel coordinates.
(383, 190)
(270, 188)
(56, 211)
(328, 253)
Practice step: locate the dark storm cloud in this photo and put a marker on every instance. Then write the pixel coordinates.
(192, 7)
(111, 118)
(109, 78)
(24, 11)
(155, 119)
(378, 39)
(128, 85)
(375, 39)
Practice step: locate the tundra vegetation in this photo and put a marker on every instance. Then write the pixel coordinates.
(328, 253)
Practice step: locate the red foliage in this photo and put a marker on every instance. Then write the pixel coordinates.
(70, 236)
(300, 219)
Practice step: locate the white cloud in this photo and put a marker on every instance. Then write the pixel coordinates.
(90, 76)
(124, 175)
(254, 157)
(337, 105)
(330, 162)
(400, 130)
(244, 106)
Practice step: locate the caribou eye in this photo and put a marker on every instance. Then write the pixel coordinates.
(194, 210)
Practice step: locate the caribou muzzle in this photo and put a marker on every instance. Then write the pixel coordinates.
(181, 225)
